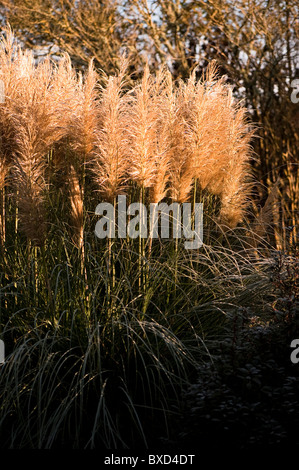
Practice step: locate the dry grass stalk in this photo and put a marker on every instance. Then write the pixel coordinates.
(162, 144)
(3, 174)
(7, 51)
(87, 125)
(142, 123)
(76, 200)
(237, 184)
(81, 136)
(218, 136)
(110, 164)
(179, 152)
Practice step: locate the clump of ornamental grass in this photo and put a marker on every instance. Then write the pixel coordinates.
(102, 341)
(166, 138)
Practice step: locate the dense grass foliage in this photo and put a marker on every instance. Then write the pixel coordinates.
(91, 364)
